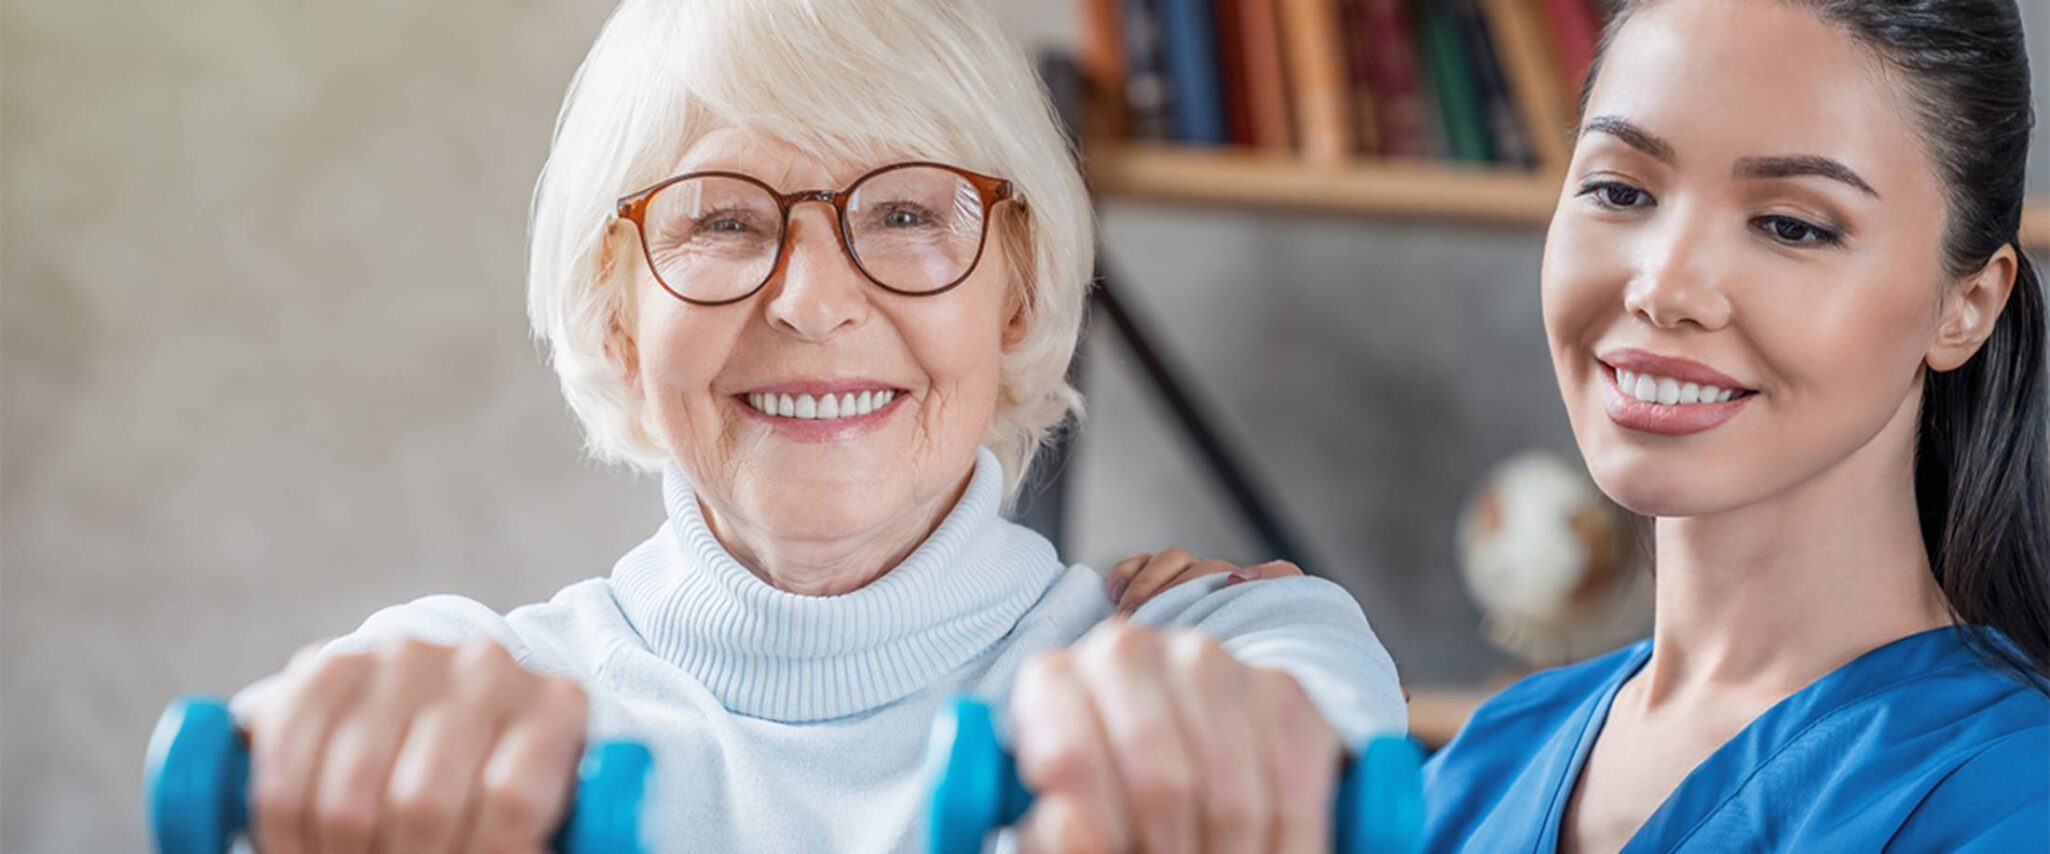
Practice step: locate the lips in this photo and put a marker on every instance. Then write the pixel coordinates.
(1668, 396)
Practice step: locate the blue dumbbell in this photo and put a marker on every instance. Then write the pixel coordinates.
(976, 789)
(196, 785)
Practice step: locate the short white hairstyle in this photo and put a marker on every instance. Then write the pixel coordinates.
(853, 80)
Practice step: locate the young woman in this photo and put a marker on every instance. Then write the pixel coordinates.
(1790, 320)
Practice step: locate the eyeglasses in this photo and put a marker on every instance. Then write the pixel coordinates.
(715, 238)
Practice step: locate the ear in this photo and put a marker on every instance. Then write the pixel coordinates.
(1971, 309)
(620, 349)
(1017, 319)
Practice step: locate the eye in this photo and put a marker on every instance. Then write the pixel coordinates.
(905, 216)
(1616, 195)
(1795, 232)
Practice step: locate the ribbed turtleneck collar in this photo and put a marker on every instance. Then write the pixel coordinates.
(771, 654)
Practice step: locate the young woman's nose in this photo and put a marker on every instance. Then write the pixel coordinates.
(817, 292)
(1679, 279)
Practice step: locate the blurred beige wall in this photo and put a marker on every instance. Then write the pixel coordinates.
(264, 368)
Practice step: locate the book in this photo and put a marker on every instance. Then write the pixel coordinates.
(1266, 77)
(1402, 107)
(1508, 142)
(1359, 71)
(1534, 81)
(1231, 72)
(1576, 28)
(1147, 97)
(1188, 36)
(1317, 77)
(1451, 72)
(1100, 54)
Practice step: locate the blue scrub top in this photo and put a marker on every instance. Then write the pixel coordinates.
(1918, 745)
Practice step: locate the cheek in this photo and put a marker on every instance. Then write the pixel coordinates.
(682, 350)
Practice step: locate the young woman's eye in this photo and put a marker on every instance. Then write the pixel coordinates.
(1616, 195)
(1794, 232)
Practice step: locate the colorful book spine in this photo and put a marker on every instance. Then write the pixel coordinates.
(1459, 100)
(1100, 55)
(1316, 62)
(1576, 28)
(1359, 71)
(1402, 108)
(1259, 33)
(1534, 79)
(1147, 96)
(1231, 67)
(1189, 39)
(1508, 142)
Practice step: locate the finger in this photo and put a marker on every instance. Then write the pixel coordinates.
(526, 785)
(1303, 757)
(429, 799)
(1270, 569)
(1063, 756)
(349, 791)
(1156, 578)
(1233, 790)
(1121, 574)
(287, 736)
(1122, 666)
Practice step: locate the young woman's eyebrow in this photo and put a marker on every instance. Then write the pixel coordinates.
(1801, 165)
(1633, 136)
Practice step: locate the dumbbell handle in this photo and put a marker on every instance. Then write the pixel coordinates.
(196, 787)
(976, 789)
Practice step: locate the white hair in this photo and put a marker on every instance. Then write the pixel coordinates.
(848, 79)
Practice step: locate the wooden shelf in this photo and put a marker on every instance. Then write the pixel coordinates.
(1408, 190)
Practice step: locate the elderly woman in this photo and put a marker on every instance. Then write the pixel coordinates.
(821, 263)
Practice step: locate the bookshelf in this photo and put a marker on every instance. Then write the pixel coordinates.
(1416, 190)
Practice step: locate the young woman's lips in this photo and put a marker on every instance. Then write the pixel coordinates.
(1683, 419)
(839, 428)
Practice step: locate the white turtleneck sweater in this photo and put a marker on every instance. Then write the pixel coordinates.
(781, 722)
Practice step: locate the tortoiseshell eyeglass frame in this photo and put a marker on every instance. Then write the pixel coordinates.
(634, 207)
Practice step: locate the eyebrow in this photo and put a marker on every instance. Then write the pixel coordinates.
(1801, 165)
(1633, 136)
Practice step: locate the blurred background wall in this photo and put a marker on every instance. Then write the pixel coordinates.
(264, 366)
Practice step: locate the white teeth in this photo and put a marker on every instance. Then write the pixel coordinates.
(1664, 391)
(820, 408)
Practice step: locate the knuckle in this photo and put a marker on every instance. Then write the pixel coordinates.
(345, 817)
(1194, 652)
(1053, 667)
(1127, 643)
(565, 699)
(424, 809)
(482, 652)
(515, 805)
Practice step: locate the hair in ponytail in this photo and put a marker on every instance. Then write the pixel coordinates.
(1982, 456)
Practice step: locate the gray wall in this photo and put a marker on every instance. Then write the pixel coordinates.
(263, 366)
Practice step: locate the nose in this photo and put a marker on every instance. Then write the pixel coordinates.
(816, 292)
(1679, 279)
